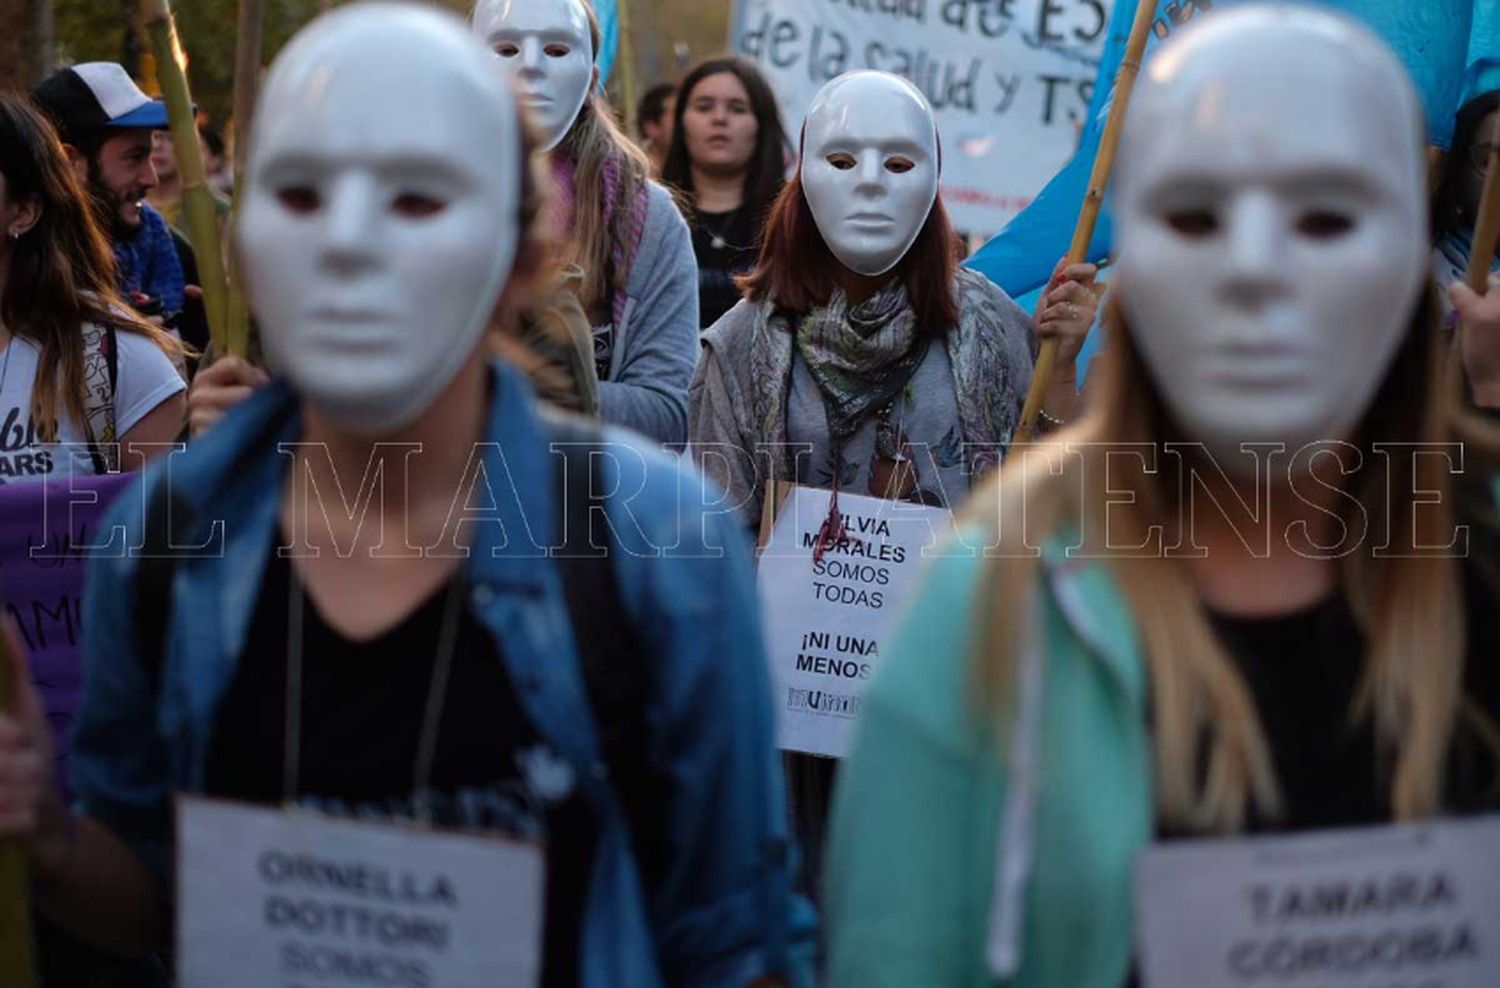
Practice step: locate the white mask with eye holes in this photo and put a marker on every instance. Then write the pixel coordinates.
(870, 168)
(375, 245)
(1272, 226)
(546, 48)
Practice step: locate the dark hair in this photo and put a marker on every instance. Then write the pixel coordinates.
(795, 270)
(1445, 199)
(766, 174)
(212, 139)
(62, 272)
(652, 106)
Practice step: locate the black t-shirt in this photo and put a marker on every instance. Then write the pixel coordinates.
(726, 245)
(363, 705)
(1304, 670)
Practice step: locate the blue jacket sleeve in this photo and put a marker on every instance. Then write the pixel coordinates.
(659, 342)
(725, 910)
(121, 762)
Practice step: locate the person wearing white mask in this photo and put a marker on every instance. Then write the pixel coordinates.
(1206, 641)
(862, 357)
(423, 658)
(620, 229)
(859, 336)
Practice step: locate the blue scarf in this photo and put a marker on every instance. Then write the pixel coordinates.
(148, 262)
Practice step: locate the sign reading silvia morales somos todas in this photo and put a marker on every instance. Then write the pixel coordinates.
(1010, 80)
(1414, 906)
(826, 616)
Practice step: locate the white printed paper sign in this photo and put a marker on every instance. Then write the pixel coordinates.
(272, 899)
(1010, 80)
(1382, 907)
(826, 620)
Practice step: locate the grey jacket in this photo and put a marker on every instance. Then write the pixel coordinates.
(656, 343)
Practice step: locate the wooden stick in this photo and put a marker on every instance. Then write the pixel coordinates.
(246, 79)
(1488, 228)
(246, 82)
(197, 201)
(625, 59)
(1104, 162)
(16, 961)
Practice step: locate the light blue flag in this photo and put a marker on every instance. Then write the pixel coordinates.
(609, 44)
(1433, 38)
(1484, 50)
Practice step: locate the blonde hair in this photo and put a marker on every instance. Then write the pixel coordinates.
(594, 142)
(1212, 761)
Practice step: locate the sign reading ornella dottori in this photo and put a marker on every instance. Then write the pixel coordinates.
(272, 899)
(827, 618)
(1380, 907)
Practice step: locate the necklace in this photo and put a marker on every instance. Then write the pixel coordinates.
(437, 691)
(717, 238)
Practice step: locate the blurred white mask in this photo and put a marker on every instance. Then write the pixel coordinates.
(546, 49)
(870, 168)
(375, 244)
(1272, 225)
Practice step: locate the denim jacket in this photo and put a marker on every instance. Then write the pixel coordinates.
(723, 913)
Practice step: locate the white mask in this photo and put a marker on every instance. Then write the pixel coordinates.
(1272, 225)
(375, 244)
(546, 49)
(870, 168)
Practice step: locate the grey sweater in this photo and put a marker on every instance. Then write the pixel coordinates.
(656, 344)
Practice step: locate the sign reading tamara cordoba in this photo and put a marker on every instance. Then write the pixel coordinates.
(1383, 907)
(271, 899)
(827, 616)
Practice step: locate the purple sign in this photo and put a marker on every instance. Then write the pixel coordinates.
(48, 529)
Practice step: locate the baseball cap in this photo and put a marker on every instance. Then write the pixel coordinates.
(91, 97)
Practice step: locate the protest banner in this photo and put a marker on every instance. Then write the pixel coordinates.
(46, 531)
(282, 899)
(1009, 80)
(826, 615)
(1379, 907)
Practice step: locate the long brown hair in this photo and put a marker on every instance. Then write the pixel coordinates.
(766, 170)
(796, 270)
(1213, 767)
(596, 144)
(62, 273)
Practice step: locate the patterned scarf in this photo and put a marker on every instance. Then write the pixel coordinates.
(860, 356)
(626, 230)
(988, 381)
(148, 262)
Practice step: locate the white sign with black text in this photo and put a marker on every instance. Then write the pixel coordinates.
(826, 616)
(287, 899)
(1412, 906)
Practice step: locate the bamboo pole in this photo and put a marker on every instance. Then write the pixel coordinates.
(197, 201)
(1104, 161)
(16, 961)
(246, 82)
(1488, 228)
(625, 59)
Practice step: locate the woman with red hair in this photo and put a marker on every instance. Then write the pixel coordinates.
(860, 340)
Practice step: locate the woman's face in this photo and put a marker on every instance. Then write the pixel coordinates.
(719, 125)
(1471, 186)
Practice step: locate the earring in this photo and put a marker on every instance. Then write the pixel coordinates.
(15, 234)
